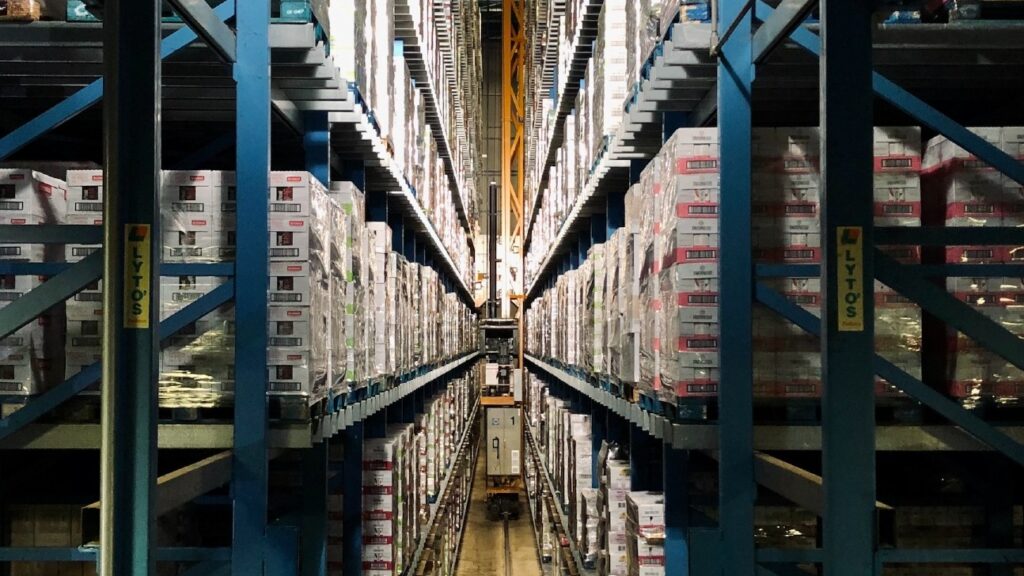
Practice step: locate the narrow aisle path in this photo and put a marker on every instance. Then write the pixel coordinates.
(483, 545)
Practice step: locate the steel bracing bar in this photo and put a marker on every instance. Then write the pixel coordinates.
(250, 469)
(93, 93)
(61, 393)
(973, 425)
(777, 27)
(920, 110)
(131, 272)
(948, 236)
(737, 492)
(51, 234)
(55, 290)
(201, 18)
(949, 309)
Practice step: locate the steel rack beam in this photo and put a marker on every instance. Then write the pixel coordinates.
(92, 93)
(170, 436)
(52, 292)
(56, 396)
(356, 413)
(51, 234)
(90, 554)
(250, 484)
(777, 27)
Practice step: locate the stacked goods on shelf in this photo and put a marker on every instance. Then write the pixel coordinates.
(349, 263)
(401, 480)
(975, 194)
(84, 311)
(786, 230)
(31, 358)
(614, 488)
(660, 271)
(365, 49)
(609, 72)
(645, 534)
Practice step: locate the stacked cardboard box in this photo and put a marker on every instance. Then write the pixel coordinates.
(615, 485)
(84, 311)
(347, 262)
(977, 195)
(645, 533)
(31, 358)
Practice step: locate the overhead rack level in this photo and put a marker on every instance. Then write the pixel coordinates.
(816, 63)
(228, 87)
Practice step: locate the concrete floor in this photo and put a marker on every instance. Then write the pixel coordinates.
(483, 551)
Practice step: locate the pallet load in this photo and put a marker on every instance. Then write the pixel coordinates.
(645, 533)
(83, 345)
(976, 194)
(31, 358)
(615, 485)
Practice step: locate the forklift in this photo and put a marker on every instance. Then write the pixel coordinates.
(501, 395)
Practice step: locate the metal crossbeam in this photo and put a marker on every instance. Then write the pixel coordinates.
(51, 234)
(777, 27)
(970, 423)
(93, 93)
(201, 18)
(948, 236)
(55, 290)
(949, 309)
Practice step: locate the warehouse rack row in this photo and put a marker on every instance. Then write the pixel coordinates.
(233, 86)
(696, 75)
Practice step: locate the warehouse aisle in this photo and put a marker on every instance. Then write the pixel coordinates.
(483, 552)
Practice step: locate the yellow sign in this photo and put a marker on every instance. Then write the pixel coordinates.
(137, 243)
(850, 271)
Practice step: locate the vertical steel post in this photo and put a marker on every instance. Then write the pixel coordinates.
(313, 524)
(250, 467)
(639, 458)
(598, 425)
(131, 266)
(352, 499)
(675, 480)
(848, 402)
(736, 431)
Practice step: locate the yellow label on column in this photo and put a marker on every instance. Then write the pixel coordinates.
(137, 242)
(850, 271)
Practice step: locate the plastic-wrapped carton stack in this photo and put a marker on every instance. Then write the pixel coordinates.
(977, 195)
(615, 485)
(687, 247)
(610, 68)
(383, 498)
(31, 357)
(645, 533)
(349, 370)
(84, 311)
(379, 242)
(786, 230)
(897, 195)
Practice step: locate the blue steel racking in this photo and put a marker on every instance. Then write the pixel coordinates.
(260, 67)
(684, 85)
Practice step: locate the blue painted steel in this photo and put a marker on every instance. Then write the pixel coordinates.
(376, 426)
(51, 234)
(410, 245)
(282, 550)
(639, 459)
(407, 409)
(91, 94)
(250, 467)
(574, 257)
(209, 568)
(131, 93)
(636, 167)
(952, 556)
(198, 158)
(920, 110)
(848, 396)
(316, 142)
(313, 523)
(376, 207)
(897, 377)
(672, 121)
(598, 228)
(54, 291)
(615, 210)
(89, 554)
(59, 394)
(948, 236)
(584, 242)
(355, 172)
(352, 499)
(736, 465)
(397, 225)
(598, 427)
(12, 268)
(950, 310)
(675, 484)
